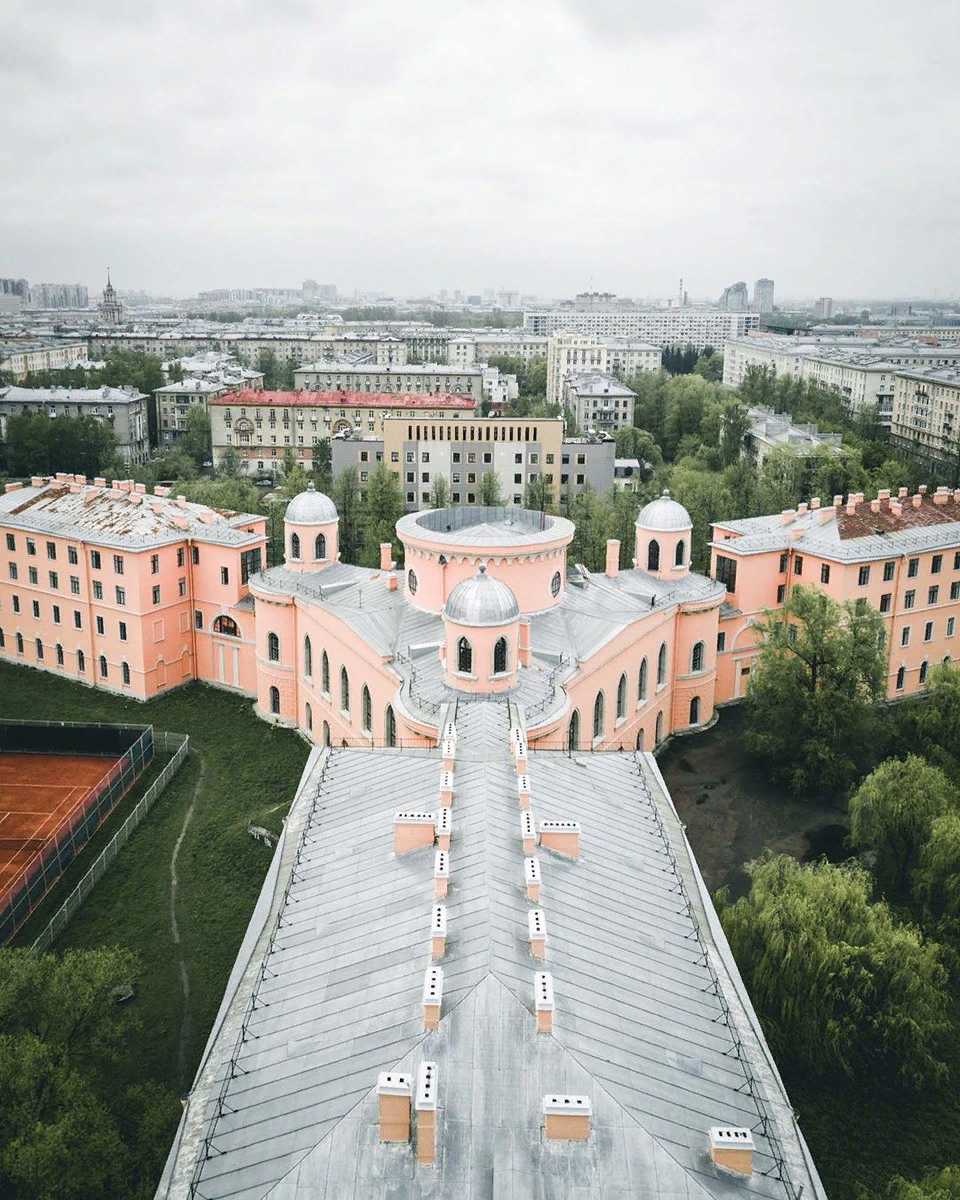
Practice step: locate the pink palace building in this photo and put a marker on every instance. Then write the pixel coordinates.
(137, 593)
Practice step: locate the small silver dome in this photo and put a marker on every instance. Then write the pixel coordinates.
(481, 600)
(664, 515)
(311, 508)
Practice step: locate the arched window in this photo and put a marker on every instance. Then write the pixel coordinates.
(622, 698)
(696, 659)
(39, 649)
(555, 585)
(325, 673)
(307, 657)
(640, 740)
(642, 681)
(653, 555)
(923, 672)
(273, 647)
(678, 557)
(59, 651)
(695, 711)
(464, 656)
(103, 666)
(320, 546)
(344, 690)
(125, 672)
(390, 726)
(274, 700)
(662, 664)
(294, 545)
(500, 656)
(412, 582)
(658, 735)
(81, 661)
(20, 644)
(308, 717)
(326, 734)
(900, 675)
(573, 732)
(366, 710)
(598, 716)
(226, 625)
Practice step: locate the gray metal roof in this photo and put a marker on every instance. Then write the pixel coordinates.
(473, 525)
(311, 508)
(482, 600)
(650, 1019)
(664, 514)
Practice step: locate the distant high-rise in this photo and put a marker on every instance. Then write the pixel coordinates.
(58, 295)
(763, 296)
(111, 310)
(14, 287)
(735, 298)
(824, 307)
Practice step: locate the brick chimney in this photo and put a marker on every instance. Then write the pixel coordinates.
(875, 506)
(543, 1001)
(449, 733)
(917, 500)
(432, 997)
(446, 789)
(896, 507)
(444, 828)
(393, 1102)
(902, 493)
(566, 1118)
(426, 1106)
(531, 876)
(612, 569)
(386, 556)
(528, 832)
(520, 756)
(413, 830)
(563, 837)
(392, 581)
(523, 790)
(941, 495)
(838, 502)
(537, 932)
(438, 931)
(787, 516)
(815, 502)
(441, 873)
(732, 1148)
(100, 482)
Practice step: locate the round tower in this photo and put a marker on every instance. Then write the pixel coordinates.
(481, 630)
(310, 531)
(663, 538)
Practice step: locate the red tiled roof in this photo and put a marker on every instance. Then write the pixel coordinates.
(345, 399)
(865, 521)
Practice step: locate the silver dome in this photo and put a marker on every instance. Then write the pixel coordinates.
(481, 600)
(664, 515)
(311, 508)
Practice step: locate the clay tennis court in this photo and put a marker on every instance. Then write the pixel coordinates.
(41, 796)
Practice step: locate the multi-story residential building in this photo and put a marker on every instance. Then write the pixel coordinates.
(926, 416)
(899, 554)
(58, 295)
(769, 430)
(123, 409)
(417, 379)
(823, 308)
(261, 426)
(126, 591)
(17, 359)
(734, 298)
(763, 296)
(465, 349)
(174, 401)
(598, 402)
(865, 380)
(584, 354)
(697, 327)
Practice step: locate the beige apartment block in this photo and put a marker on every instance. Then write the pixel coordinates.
(924, 421)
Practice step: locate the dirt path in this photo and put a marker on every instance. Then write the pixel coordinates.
(185, 1025)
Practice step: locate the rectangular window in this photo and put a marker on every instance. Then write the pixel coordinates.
(31, 546)
(16, 603)
(905, 636)
(250, 564)
(32, 574)
(781, 593)
(182, 586)
(224, 575)
(75, 585)
(121, 596)
(72, 555)
(783, 564)
(935, 564)
(928, 631)
(54, 580)
(97, 589)
(798, 565)
(51, 549)
(955, 590)
(721, 642)
(933, 594)
(913, 566)
(12, 568)
(156, 594)
(864, 577)
(11, 542)
(154, 564)
(196, 554)
(56, 614)
(95, 559)
(956, 561)
(123, 631)
(909, 598)
(824, 572)
(888, 569)
(100, 626)
(951, 625)
(77, 620)
(36, 607)
(726, 572)
(792, 634)
(885, 602)
(197, 619)
(118, 564)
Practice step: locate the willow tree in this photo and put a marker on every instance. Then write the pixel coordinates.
(838, 981)
(811, 701)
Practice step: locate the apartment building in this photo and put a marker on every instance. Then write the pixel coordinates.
(769, 430)
(598, 402)
(465, 349)
(925, 421)
(584, 354)
(261, 426)
(419, 379)
(123, 409)
(899, 554)
(19, 358)
(697, 327)
(131, 592)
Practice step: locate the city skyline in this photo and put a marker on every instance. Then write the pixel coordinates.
(599, 142)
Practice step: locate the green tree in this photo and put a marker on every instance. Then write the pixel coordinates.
(195, 440)
(810, 705)
(439, 492)
(322, 464)
(535, 381)
(35, 444)
(703, 494)
(936, 880)
(891, 815)
(638, 443)
(230, 464)
(940, 1184)
(345, 494)
(838, 982)
(491, 490)
(538, 495)
(709, 364)
(932, 727)
(383, 508)
(734, 427)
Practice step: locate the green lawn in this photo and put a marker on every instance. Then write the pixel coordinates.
(248, 767)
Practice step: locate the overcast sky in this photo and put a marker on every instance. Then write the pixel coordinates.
(413, 145)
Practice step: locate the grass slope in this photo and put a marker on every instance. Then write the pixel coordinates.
(247, 766)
